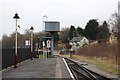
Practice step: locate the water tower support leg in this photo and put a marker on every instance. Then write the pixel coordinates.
(52, 45)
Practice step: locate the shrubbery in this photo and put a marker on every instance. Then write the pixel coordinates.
(103, 50)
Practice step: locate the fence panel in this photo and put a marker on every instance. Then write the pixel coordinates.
(8, 56)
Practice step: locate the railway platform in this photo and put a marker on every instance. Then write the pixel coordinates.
(57, 68)
(39, 68)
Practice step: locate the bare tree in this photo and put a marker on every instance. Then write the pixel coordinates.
(114, 22)
(64, 35)
(27, 33)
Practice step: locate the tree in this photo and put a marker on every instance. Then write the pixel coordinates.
(103, 32)
(72, 32)
(114, 22)
(91, 29)
(10, 41)
(4, 41)
(27, 34)
(56, 36)
(64, 35)
(80, 31)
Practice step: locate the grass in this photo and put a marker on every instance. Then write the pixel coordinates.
(67, 56)
(102, 55)
(42, 56)
(103, 64)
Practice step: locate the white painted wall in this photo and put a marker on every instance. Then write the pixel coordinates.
(81, 43)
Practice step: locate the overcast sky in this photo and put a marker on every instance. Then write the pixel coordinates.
(67, 12)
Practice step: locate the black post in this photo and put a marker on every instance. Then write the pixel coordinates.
(38, 48)
(70, 54)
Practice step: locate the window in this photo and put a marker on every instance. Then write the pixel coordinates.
(84, 41)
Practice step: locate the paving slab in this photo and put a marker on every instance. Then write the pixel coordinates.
(64, 70)
(0, 75)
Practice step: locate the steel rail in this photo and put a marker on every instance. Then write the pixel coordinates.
(82, 75)
(79, 70)
(86, 73)
(93, 75)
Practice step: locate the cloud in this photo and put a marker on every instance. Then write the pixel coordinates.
(76, 12)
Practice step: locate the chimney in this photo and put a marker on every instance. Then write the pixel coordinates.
(80, 35)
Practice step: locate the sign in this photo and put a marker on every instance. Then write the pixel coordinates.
(60, 53)
(48, 43)
(43, 43)
(27, 42)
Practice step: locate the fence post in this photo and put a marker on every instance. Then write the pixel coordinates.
(70, 54)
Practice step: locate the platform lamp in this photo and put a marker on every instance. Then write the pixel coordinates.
(16, 17)
(31, 42)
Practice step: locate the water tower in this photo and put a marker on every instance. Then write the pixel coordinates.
(52, 26)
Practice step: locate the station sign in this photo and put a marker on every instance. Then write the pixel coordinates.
(48, 43)
(27, 42)
(43, 44)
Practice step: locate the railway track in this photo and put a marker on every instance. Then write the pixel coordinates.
(81, 73)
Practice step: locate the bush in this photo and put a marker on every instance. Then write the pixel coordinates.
(103, 50)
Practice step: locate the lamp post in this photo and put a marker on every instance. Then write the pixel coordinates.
(31, 42)
(16, 17)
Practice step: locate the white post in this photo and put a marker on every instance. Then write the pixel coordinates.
(16, 39)
(43, 22)
(31, 44)
(16, 46)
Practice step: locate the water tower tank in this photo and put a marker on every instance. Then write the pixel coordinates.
(52, 26)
